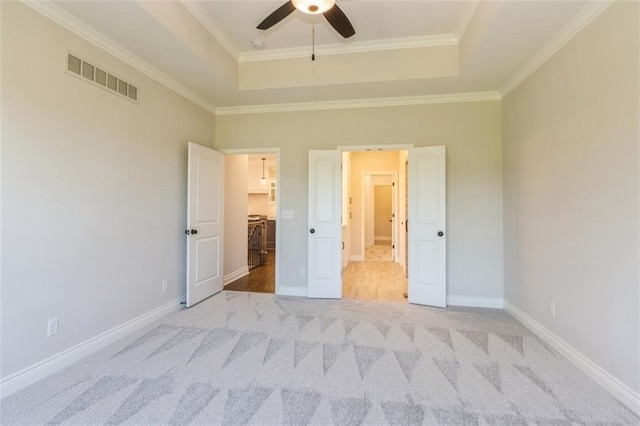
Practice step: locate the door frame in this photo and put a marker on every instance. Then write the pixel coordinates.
(367, 185)
(276, 151)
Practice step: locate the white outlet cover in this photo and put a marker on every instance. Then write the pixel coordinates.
(52, 327)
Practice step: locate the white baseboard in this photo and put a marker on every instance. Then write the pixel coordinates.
(622, 392)
(42, 369)
(292, 291)
(232, 276)
(356, 258)
(475, 302)
(376, 238)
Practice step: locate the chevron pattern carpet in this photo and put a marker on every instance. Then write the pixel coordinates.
(249, 358)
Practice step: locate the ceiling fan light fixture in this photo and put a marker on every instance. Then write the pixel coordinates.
(313, 7)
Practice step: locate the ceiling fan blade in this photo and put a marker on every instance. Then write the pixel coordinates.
(278, 15)
(339, 21)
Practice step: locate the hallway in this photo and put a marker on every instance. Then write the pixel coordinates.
(377, 278)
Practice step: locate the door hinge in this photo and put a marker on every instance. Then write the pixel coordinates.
(393, 184)
(393, 246)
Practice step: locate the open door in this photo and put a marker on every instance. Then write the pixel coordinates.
(325, 225)
(427, 227)
(205, 223)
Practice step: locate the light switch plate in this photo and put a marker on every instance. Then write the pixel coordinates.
(287, 214)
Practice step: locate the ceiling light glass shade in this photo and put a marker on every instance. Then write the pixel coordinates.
(313, 7)
(263, 180)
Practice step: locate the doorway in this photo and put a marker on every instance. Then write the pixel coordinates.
(373, 270)
(252, 211)
(426, 236)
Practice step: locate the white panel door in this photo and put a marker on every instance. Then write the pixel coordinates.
(205, 223)
(325, 225)
(427, 227)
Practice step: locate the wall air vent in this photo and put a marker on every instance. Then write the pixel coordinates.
(101, 78)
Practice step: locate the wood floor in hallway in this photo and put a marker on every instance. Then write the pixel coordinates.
(369, 280)
(260, 280)
(374, 279)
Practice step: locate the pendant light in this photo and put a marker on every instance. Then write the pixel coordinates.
(263, 179)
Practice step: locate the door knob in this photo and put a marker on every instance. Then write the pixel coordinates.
(313, 231)
(440, 233)
(194, 231)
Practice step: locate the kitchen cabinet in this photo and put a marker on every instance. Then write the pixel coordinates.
(271, 196)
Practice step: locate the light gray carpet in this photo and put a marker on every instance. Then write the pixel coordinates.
(248, 358)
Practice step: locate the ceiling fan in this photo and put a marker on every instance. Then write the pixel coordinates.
(328, 8)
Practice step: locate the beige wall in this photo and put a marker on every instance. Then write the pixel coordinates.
(571, 193)
(235, 214)
(382, 211)
(472, 134)
(93, 192)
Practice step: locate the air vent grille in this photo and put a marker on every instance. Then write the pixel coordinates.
(101, 78)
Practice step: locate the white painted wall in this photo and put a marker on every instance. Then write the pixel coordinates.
(93, 192)
(472, 133)
(571, 182)
(235, 214)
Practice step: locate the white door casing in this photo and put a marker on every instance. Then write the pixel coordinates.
(205, 223)
(427, 226)
(325, 225)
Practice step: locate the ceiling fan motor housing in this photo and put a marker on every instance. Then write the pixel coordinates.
(313, 7)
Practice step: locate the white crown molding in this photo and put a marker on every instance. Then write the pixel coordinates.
(70, 22)
(195, 10)
(622, 392)
(361, 103)
(467, 20)
(570, 30)
(355, 47)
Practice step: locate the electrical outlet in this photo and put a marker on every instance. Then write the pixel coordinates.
(552, 309)
(303, 272)
(164, 285)
(52, 327)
